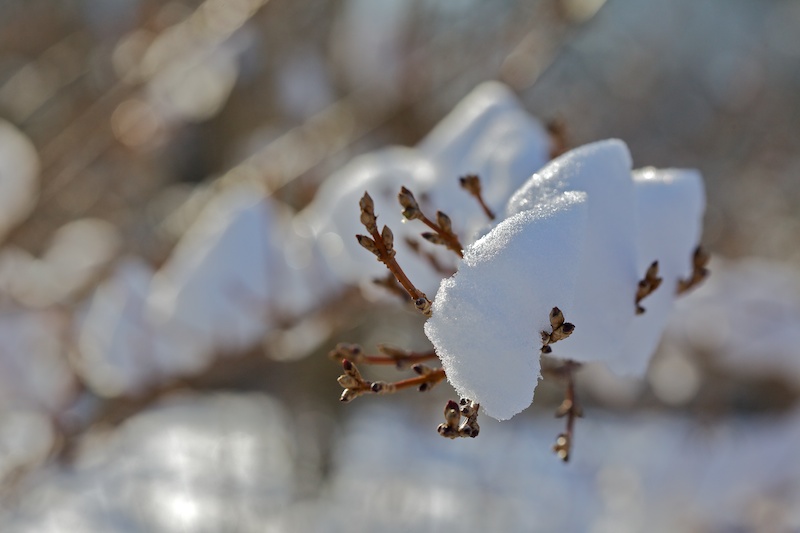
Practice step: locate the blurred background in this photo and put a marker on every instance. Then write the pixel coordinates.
(165, 315)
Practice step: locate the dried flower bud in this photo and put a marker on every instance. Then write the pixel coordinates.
(562, 446)
(647, 286)
(348, 382)
(382, 387)
(447, 431)
(410, 206)
(369, 244)
(348, 395)
(471, 183)
(556, 318)
(700, 259)
(564, 408)
(444, 222)
(561, 330)
(423, 305)
(368, 218)
(452, 413)
(422, 370)
(388, 240)
(343, 350)
(434, 238)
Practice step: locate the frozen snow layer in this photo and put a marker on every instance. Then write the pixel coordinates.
(745, 317)
(195, 463)
(587, 265)
(488, 133)
(19, 176)
(607, 273)
(487, 318)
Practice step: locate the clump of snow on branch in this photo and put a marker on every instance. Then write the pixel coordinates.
(579, 236)
(488, 134)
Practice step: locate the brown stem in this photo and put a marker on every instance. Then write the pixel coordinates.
(452, 241)
(426, 381)
(569, 408)
(391, 263)
(472, 184)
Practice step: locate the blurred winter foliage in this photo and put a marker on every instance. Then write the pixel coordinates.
(175, 262)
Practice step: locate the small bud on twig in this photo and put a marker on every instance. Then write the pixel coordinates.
(388, 240)
(444, 222)
(368, 218)
(647, 286)
(369, 244)
(472, 184)
(559, 330)
(453, 427)
(700, 260)
(442, 231)
(410, 206)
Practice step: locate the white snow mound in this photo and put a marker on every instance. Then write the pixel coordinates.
(580, 234)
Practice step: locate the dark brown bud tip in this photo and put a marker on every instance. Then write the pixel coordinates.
(547, 349)
(347, 365)
(451, 406)
(568, 327)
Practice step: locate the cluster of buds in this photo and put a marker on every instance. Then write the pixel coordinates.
(352, 382)
(453, 426)
(700, 272)
(354, 385)
(442, 233)
(559, 330)
(647, 286)
(382, 246)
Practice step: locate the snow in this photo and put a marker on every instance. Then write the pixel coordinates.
(587, 262)
(488, 133)
(487, 318)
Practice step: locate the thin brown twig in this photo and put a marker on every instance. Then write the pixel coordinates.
(382, 246)
(569, 408)
(442, 229)
(472, 184)
(391, 356)
(423, 382)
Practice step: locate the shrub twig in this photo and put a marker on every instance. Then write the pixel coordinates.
(647, 286)
(391, 356)
(700, 259)
(472, 184)
(442, 229)
(382, 246)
